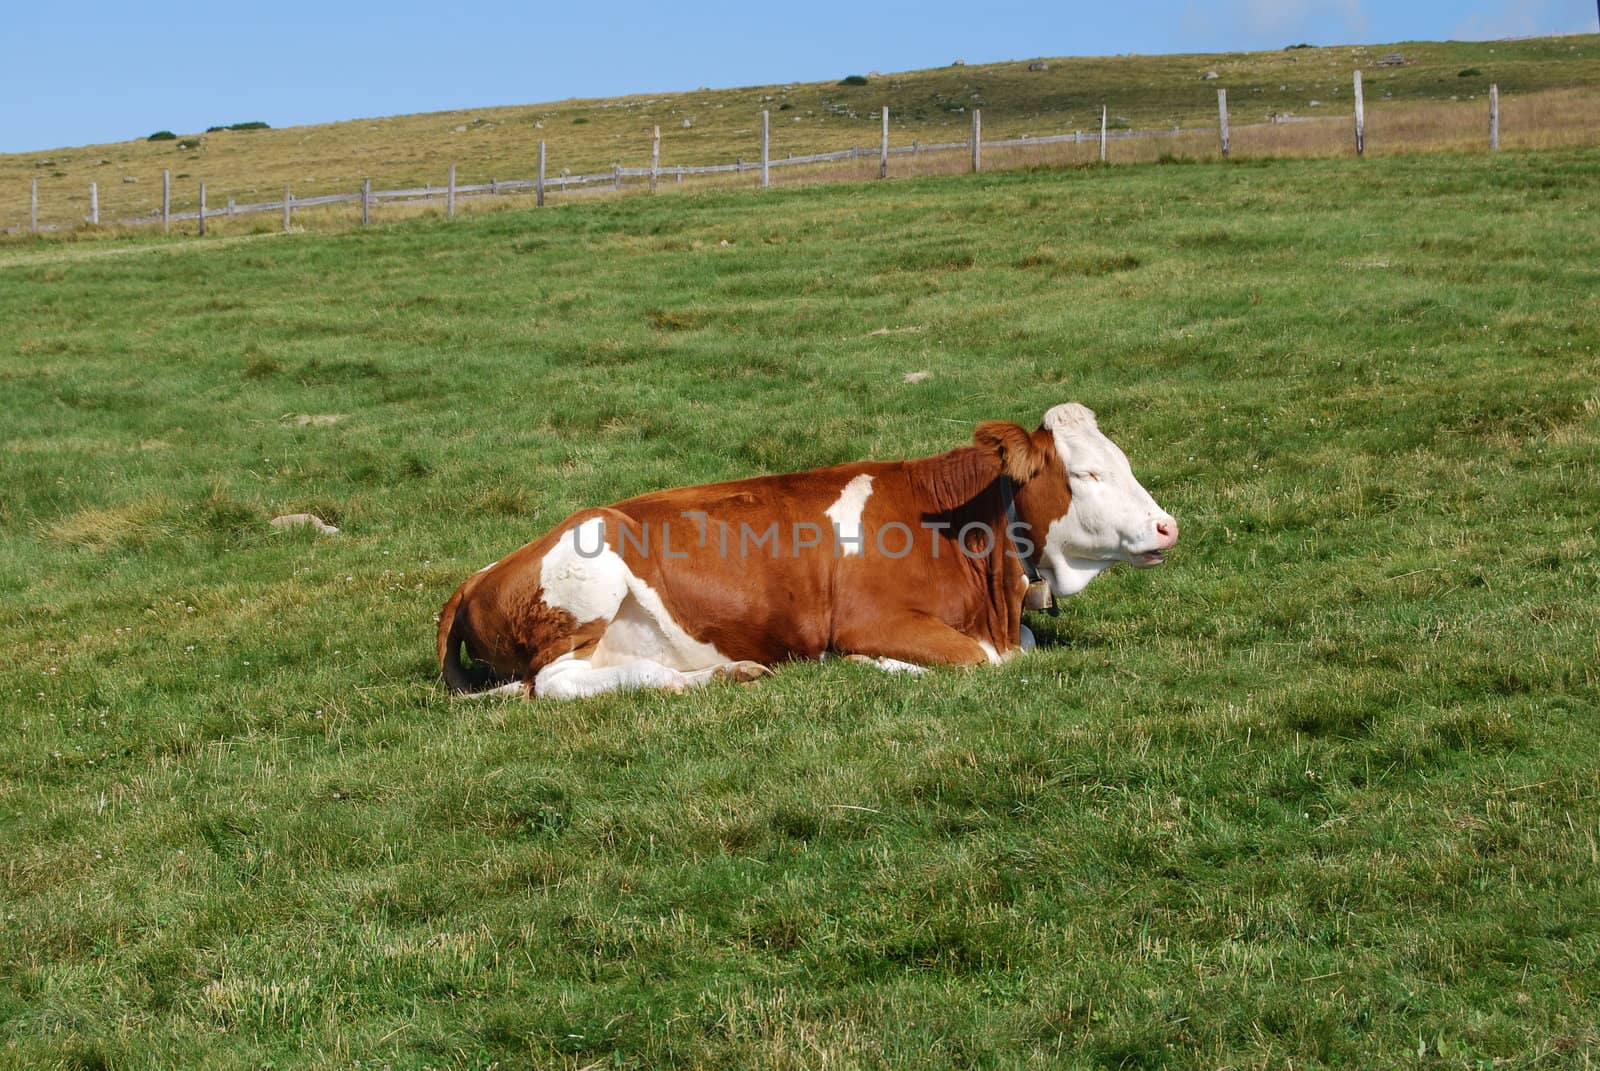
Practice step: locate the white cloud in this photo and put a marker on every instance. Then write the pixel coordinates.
(1519, 18)
(1271, 18)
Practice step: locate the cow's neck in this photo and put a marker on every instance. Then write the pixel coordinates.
(961, 488)
(1041, 503)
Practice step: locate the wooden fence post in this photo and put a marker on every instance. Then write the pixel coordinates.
(1102, 133)
(366, 202)
(1494, 116)
(766, 136)
(450, 195)
(655, 157)
(616, 176)
(288, 210)
(33, 207)
(1222, 118)
(538, 185)
(166, 201)
(94, 203)
(1361, 119)
(202, 216)
(977, 139)
(883, 146)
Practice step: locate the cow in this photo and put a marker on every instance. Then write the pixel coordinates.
(902, 564)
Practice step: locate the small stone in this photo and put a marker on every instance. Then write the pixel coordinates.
(307, 520)
(918, 377)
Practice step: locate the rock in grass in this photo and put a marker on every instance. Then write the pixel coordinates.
(917, 377)
(308, 520)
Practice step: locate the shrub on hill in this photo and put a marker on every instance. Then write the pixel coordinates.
(1470, 72)
(162, 135)
(853, 80)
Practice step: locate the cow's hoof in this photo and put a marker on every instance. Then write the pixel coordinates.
(742, 672)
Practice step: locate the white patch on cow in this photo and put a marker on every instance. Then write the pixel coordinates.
(491, 565)
(582, 575)
(569, 677)
(846, 514)
(990, 653)
(890, 665)
(575, 678)
(644, 629)
(1112, 517)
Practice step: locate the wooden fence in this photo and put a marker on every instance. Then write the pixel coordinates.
(613, 179)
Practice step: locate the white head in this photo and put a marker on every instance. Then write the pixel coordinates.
(1111, 518)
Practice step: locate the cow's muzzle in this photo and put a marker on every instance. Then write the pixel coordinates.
(1166, 539)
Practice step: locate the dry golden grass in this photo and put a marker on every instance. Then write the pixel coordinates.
(1547, 100)
(130, 524)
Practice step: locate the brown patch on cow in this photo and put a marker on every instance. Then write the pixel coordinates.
(1044, 500)
(952, 479)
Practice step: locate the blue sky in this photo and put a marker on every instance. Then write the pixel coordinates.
(96, 71)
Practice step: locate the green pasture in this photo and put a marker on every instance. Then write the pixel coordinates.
(1320, 791)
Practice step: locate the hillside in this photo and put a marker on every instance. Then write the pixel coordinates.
(717, 126)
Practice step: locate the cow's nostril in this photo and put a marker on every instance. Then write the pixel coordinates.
(1168, 531)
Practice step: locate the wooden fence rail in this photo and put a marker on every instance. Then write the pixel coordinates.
(368, 198)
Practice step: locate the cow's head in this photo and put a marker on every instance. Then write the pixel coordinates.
(1078, 494)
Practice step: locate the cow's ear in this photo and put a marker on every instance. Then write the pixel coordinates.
(1012, 447)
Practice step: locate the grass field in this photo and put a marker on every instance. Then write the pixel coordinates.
(1321, 790)
(1436, 101)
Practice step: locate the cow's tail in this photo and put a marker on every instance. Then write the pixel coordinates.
(455, 638)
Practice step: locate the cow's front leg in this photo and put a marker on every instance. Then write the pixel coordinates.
(913, 638)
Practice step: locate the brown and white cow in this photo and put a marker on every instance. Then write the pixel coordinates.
(904, 563)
